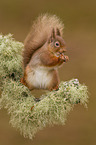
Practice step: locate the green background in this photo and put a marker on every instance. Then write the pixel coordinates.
(79, 17)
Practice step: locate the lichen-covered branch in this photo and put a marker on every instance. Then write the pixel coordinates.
(25, 114)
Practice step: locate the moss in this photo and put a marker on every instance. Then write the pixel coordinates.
(27, 115)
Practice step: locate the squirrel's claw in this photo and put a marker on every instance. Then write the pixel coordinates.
(22, 81)
(66, 58)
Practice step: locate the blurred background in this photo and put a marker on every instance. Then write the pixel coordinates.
(79, 17)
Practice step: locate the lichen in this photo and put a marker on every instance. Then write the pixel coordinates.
(27, 115)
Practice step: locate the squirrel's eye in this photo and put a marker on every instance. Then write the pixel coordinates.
(57, 44)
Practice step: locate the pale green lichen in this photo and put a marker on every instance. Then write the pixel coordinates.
(17, 99)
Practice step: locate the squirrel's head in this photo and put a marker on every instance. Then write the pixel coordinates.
(56, 42)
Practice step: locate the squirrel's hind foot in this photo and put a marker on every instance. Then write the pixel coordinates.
(56, 88)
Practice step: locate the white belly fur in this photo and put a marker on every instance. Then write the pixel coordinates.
(40, 77)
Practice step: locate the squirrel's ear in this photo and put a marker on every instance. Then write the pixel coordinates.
(52, 37)
(58, 32)
(53, 33)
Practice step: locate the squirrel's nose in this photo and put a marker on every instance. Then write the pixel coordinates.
(63, 50)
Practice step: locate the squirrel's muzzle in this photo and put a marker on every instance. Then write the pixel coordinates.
(63, 50)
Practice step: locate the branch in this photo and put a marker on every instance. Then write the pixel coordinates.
(25, 114)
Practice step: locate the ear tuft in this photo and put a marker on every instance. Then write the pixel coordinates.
(52, 37)
(58, 32)
(53, 33)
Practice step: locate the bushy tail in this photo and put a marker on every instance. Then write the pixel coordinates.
(40, 32)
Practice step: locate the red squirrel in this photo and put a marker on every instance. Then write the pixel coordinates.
(44, 51)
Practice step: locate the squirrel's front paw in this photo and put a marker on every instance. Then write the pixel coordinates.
(64, 58)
